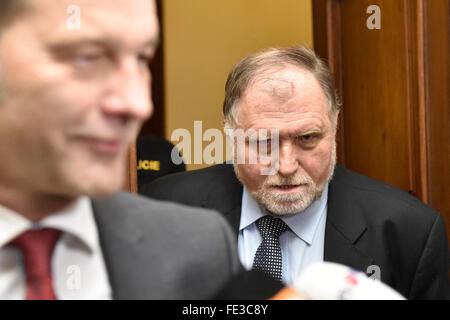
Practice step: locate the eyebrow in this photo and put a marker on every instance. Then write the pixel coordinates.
(64, 46)
(153, 42)
(311, 130)
(308, 130)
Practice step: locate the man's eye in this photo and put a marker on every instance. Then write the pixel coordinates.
(307, 139)
(144, 59)
(87, 59)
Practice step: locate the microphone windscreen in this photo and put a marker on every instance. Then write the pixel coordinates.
(332, 281)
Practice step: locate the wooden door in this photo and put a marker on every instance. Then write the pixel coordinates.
(156, 124)
(394, 83)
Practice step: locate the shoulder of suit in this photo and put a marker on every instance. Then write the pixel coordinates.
(170, 240)
(135, 212)
(131, 205)
(214, 177)
(219, 170)
(377, 196)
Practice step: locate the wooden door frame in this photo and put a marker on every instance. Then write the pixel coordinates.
(327, 44)
(156, 124)
(428, 38)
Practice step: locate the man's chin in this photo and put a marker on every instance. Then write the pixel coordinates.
(101, 192)
(98, 179)
(95, 189)
(287, 205)
(70, 192)
(286, 209)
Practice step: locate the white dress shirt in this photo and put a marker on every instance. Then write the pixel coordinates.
(78, 267)
(301, 245)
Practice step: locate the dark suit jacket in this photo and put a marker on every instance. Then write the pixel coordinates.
(160, 250)
(368, 223)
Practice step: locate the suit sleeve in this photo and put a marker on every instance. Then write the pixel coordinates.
(431, 279)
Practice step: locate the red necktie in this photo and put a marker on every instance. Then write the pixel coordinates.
(37, 249)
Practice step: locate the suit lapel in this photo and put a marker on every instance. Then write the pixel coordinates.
(345, 226)
(339, 249)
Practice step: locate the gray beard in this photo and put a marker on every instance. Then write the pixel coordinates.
(291, 204)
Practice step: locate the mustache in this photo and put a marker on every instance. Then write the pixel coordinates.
(295, 179)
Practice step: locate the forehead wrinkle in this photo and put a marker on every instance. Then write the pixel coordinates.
(282, 94)
(279, 86)
(280, 90)
(307, 122)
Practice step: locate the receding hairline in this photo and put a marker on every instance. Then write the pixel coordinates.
(250, 68)
(265, 72)
(272, 68)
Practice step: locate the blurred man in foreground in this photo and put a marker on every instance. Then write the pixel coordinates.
(74, 90)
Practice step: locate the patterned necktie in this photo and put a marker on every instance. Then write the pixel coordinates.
(37, 249)
(268, 256)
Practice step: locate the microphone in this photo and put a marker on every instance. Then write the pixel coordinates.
(332, 281)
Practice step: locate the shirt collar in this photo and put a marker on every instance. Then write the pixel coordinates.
(11, 225)
(76, 219)
(304, 224)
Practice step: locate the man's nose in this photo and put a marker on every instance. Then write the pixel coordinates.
(288, 163)
(130, 92)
